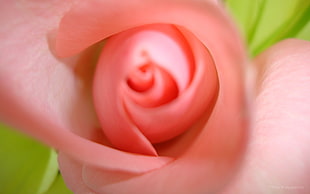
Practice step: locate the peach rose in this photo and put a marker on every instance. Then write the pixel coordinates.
(139, 96)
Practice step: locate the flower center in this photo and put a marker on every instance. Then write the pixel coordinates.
(151, 85)
(142, 78)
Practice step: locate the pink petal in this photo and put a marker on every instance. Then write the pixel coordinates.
(50, 98)
(100, 19)
(278, 158)
(75, 184)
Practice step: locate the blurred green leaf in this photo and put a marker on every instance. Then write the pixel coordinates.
(305, 32)
(26, 166)
(247, 14)
(266, 22)
(58, 187)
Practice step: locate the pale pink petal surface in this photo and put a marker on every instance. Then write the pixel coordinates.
(50, 98)
(278, 158)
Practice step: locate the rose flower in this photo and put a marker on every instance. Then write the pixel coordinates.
(144, 96)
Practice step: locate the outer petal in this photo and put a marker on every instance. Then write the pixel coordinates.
(75, 184)
(50, 98)
(100, 19)
(278, 159)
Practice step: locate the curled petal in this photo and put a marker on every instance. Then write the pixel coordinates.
(154, 115)
(163, 123)
(100, 19)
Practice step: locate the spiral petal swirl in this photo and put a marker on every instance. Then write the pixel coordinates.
(176, 73)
